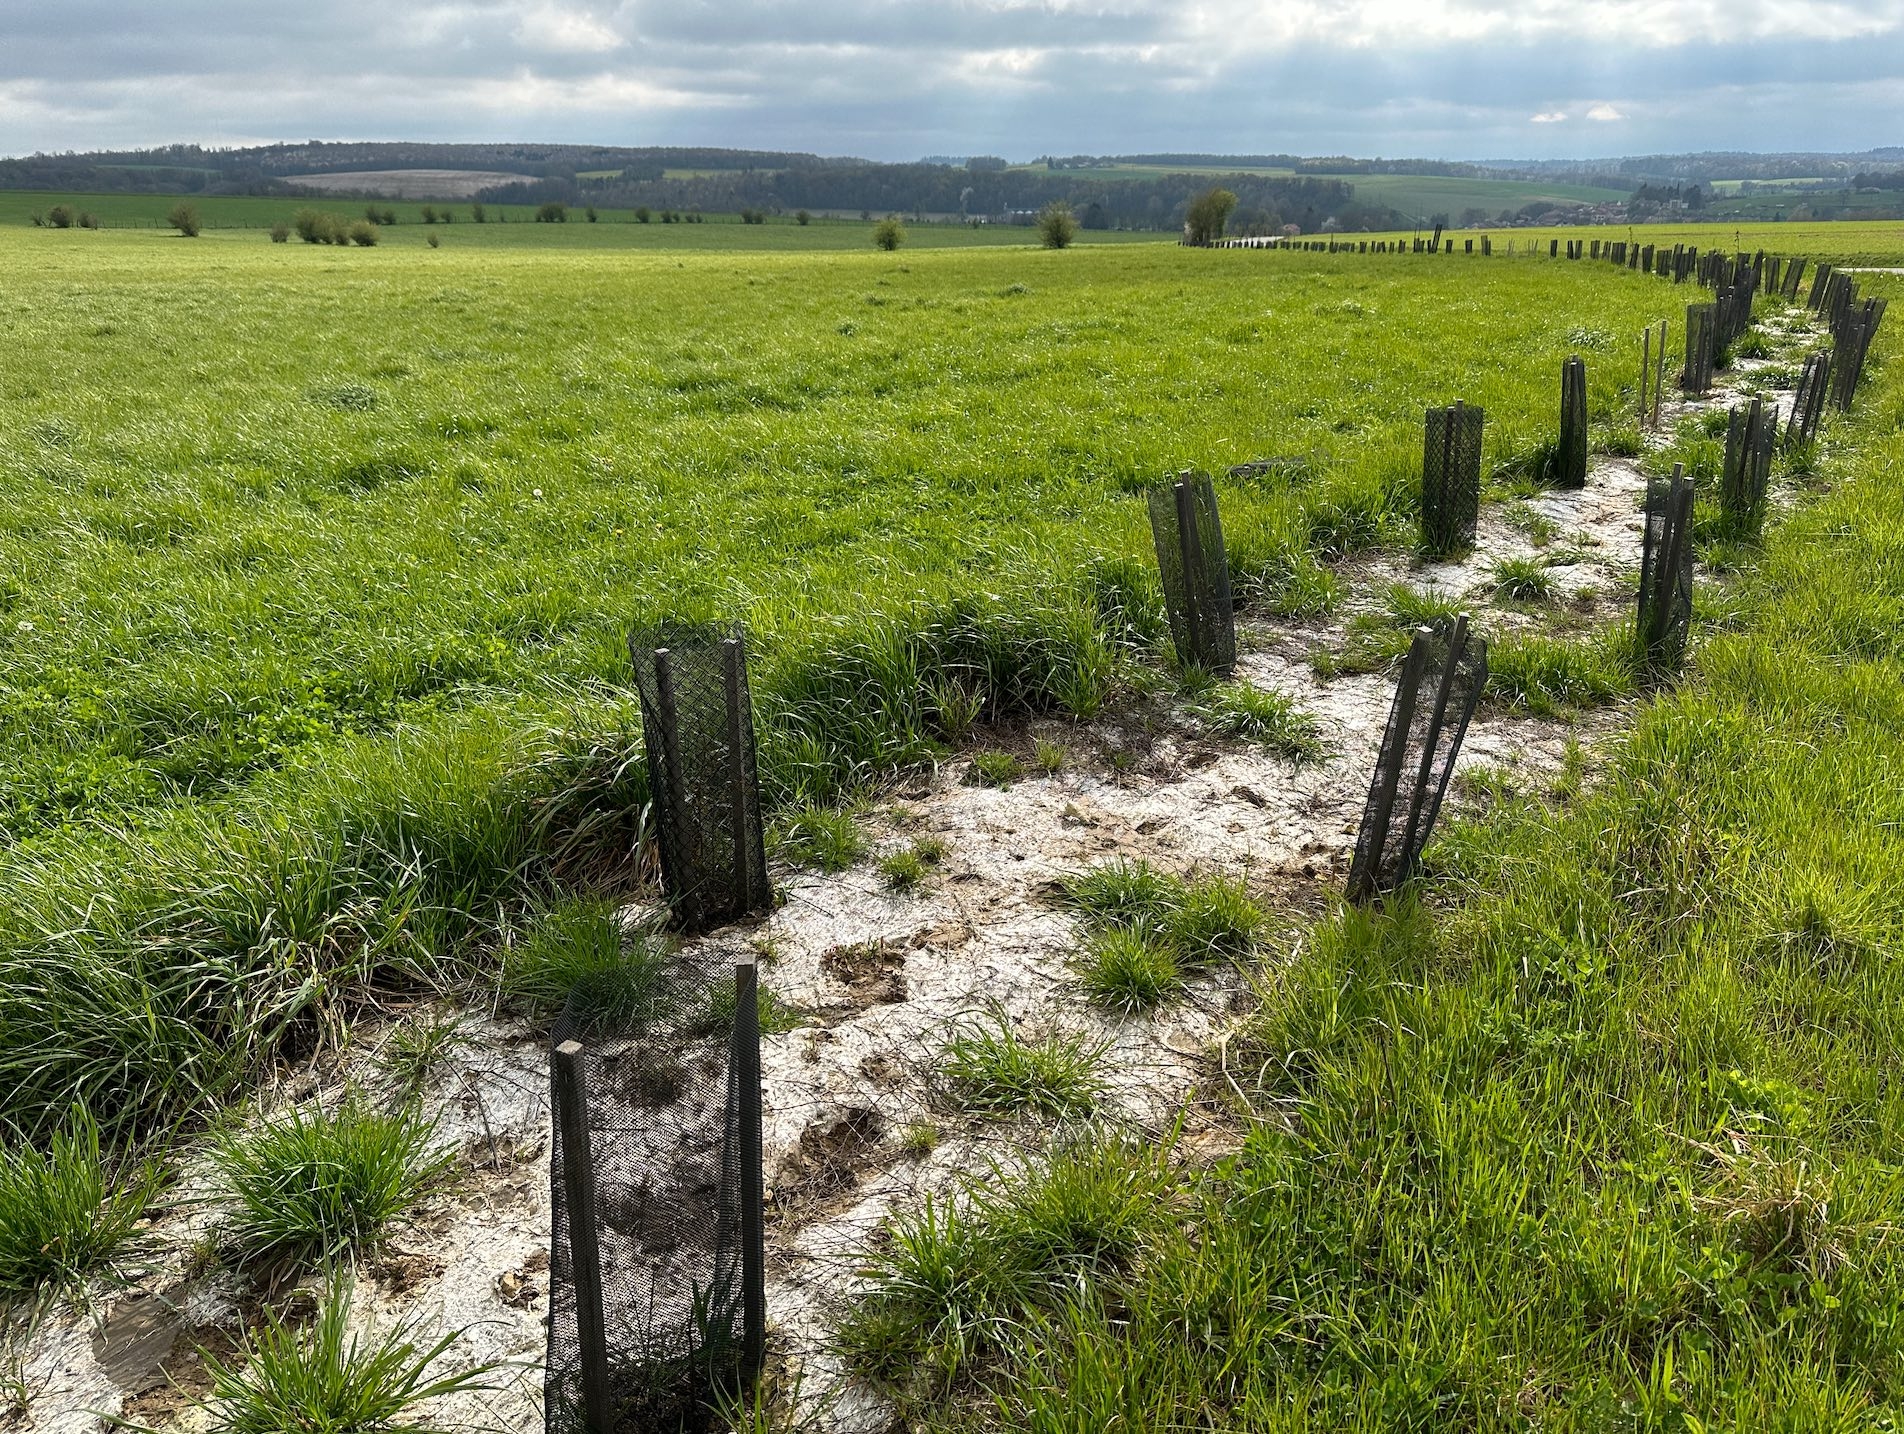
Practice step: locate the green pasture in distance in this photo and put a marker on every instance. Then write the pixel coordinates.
(1433, 194)
(512, 225)
(1851, 241)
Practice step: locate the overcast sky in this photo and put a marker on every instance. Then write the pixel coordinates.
(898, 79)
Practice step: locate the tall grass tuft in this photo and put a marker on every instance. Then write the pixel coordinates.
(989, 1069)
(64, 1212)
(324, 1380)
(580, 955)
(309, 1185)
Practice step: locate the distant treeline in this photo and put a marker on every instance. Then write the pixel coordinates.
(728, 180)
(877, 189)
(1696, 168)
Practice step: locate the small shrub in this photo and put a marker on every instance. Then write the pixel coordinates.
(819, 837)
(988, 1070)
(62, 1212)
(554, 212)
(1130, 969)
(995, 769)
(802, 218)
(321, 1381)
(888, 234)
(310, 225)
(184, 218)
(61, 216)
(590, 214)
(478, 213)
(363, 233)
(88, 220)
(310, 1185)
(642, 215)
(428, 214)
(435, 241)
(1057, 225)
(280, 232)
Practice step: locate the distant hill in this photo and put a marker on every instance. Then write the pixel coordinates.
(1130, 191)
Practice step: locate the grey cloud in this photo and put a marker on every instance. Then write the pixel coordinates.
(891, 80)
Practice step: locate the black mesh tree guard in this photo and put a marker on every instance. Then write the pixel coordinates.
(1571, 460)
(1195, 571)
(1440, 683)
(656, 1282)
(1451, 478)
(1751, 432)
(697, 727)
(1794, 276)
(1808, 404)
(1852, 331)
(1701, 340)
(1820, 282)
(1665, 604)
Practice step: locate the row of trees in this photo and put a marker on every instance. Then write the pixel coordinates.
(1159, 202)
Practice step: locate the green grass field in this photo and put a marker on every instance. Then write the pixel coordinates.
(1597, 1130)
(317, 573)
(327, 562)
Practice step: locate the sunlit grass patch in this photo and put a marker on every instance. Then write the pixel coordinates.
(989, 1069)
(310, 1184)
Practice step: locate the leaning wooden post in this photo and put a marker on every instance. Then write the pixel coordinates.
(753, 1190)
(690, 903)
(1190, 550)
(732, 661)
(1372, 842)
(585, 1256)
(1646, 368)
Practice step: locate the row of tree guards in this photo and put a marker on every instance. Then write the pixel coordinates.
(657, 1298)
